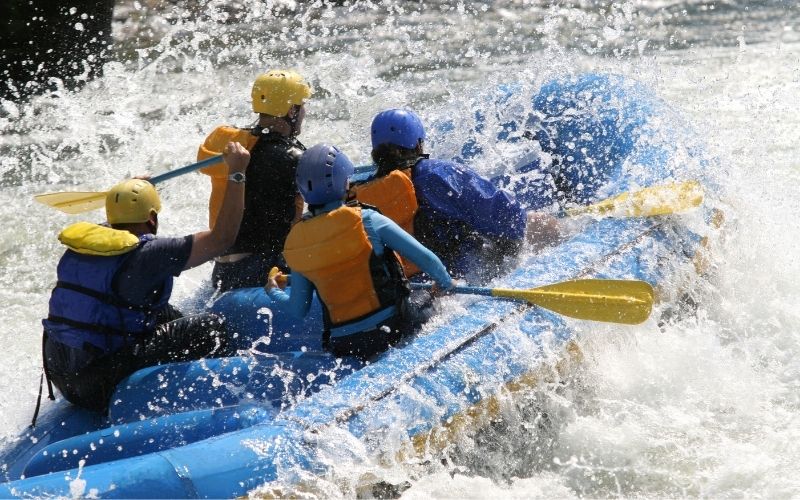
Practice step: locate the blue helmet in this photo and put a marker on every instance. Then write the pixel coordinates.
(401, 127)
(322, 174)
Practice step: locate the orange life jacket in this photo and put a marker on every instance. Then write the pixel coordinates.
(213, 145)
(395, 197)
(333, 251)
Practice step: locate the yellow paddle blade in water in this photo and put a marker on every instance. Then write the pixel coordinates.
(615, 301)
(663, 199)
(73, 202)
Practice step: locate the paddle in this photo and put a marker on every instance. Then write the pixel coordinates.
(74, 202)
(662, 199)
(616, 301)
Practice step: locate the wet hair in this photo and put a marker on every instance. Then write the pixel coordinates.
(390, 157)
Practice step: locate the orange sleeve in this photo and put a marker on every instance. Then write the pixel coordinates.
(212, 146)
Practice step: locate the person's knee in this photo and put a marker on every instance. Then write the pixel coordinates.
(167, 314)
(207, 334)
(418, 309)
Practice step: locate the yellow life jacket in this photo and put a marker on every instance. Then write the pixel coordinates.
(333, 251)
(92, 239)
(395, 197)
(214, 145)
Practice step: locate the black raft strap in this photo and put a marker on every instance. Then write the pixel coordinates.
(45, 376)
(90, 327)
(102, 297)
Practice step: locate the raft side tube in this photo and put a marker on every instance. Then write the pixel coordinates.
(220, 467)
(266, 379)
(63, 422)
(146, 436)
(179, 387)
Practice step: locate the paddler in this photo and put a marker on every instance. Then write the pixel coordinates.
(462, 217)
(109, 312)
(272, 203)
(346, 252)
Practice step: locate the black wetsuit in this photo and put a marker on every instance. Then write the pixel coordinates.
(270, 195)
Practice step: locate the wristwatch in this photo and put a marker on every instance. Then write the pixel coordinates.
(237, 177)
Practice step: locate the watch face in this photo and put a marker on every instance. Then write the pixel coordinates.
(237, 177)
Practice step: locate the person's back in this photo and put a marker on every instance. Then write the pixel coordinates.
(468, 222)
(272, 203)
(109, 312)
(347, 254)
(271, 207)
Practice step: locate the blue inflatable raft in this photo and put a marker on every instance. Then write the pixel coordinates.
(223, 427)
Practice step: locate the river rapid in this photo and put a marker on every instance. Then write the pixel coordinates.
(707, 406)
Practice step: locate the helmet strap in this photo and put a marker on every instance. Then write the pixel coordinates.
(279, 125)
(292, 121)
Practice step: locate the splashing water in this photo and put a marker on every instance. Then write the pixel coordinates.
(704, 405)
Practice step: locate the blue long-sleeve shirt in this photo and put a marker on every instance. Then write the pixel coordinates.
(384, 235)
(455, 192)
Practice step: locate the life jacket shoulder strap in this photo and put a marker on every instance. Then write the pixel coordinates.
(358, 204)
(105, 330)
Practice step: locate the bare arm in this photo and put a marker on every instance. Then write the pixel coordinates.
(541, 230)
(209, 244)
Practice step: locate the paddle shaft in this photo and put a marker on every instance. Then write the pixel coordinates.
(185, 170)
(469, 290)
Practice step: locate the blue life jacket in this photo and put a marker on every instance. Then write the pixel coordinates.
(84, 308)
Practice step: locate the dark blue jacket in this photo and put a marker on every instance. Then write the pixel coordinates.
(459, 211)
(455, 192)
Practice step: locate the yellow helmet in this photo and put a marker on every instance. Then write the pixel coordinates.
(274, 93)
(131, 201)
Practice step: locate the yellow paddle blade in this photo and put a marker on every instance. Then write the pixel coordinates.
(73, 202)
(663, 199)
(615, 301)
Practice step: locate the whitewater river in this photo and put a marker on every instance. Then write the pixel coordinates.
(706, 406)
